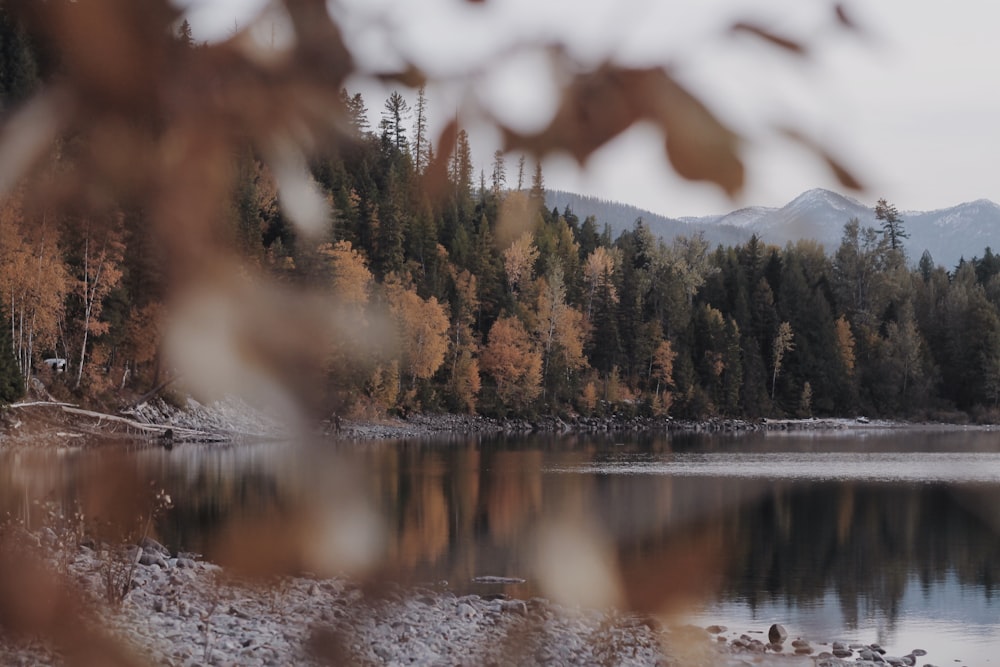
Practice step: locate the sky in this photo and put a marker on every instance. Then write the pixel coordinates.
(909, 101)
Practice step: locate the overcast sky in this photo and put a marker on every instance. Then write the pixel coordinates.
(911, 102)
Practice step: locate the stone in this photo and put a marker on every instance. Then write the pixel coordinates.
(918, 652)
(150, 558)
(777, 634)
(514, 607)
(716, 629)
(148, 544)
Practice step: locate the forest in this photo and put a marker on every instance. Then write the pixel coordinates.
(488, 302)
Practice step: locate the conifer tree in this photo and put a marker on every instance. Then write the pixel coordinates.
(892, 224)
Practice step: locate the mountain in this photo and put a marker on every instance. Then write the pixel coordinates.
(622, 217)
(949, 234)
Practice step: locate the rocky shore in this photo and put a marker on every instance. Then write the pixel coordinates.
(423, 425)
(178, 610)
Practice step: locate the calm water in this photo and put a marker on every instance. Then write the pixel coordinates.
(891, 537)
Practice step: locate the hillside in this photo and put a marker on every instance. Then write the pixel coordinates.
(621, 217)
(950, 234)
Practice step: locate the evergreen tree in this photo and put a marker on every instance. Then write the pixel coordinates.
(393, 125)
(892, 224)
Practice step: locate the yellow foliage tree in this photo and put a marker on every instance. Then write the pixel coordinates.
(519, 261)
(845, 342)
(423, 331)
(513, 362)
(351, 280)
(33, 283)
(597, 271)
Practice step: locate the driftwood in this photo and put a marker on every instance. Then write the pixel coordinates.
(158, 430)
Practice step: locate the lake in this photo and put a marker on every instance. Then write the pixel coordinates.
(890, 536)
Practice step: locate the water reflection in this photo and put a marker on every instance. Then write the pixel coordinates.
(885, 527)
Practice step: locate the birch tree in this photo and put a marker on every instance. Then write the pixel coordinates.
(99, 273)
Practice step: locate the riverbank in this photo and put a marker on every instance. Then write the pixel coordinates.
(178, 610)
(50, 423)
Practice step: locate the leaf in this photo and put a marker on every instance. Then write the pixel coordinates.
(840, 172)
(768, 36)
(596, 107)
(844, 18)
(599, 105)
(699, 146)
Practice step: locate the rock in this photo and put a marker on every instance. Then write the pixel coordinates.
(149, 545)
(514, 607)
(466, 610)
(777, 634)
(716, 629)
(918, 652)
(150, 558)
(895, 660)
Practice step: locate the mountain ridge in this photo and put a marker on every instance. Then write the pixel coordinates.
(952, 233)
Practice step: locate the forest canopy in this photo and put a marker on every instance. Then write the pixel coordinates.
(191, 212)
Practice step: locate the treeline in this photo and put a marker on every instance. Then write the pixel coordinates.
(487, 301)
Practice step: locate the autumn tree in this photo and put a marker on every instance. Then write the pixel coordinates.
(351, 280)
(423, 331)
(663, 372)
(519, 261)
(34, 284)
(98, 272)
(782, 345)
(513, 362)
(464, 380)
(559, 329)
(598, 268)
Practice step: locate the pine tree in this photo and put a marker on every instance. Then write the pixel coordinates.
(892, 224)
(421, 143)
(393, 122)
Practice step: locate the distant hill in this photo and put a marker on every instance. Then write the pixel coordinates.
(964, 230)
(622, 217)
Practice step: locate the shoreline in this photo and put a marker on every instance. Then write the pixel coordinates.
(232, 421)
(182, 611)
(185, 611)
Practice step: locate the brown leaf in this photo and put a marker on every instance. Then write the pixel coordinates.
(842, 173)
(777, 40)
(844, 18)
(599, 105)
(845, 177)
(699, 146)
(596, 107)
